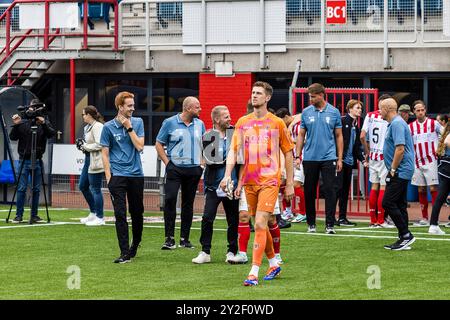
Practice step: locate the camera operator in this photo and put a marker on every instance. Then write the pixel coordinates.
(21, 131)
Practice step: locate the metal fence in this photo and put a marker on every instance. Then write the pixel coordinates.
(158, 25)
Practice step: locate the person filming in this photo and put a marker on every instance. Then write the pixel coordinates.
(33, 115)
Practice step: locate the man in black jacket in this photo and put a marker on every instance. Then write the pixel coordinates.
(216, 144)
(21, 131)
(353, 151)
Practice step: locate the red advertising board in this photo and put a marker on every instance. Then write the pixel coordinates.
(336, 11)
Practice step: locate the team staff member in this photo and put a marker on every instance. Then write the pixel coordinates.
(322, 123)
(182, 135)
(258, 138)
(352, 153)
(425, 133)
(123, 140)
(398, 154)
(216, 144)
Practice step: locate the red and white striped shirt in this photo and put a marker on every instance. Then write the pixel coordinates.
(375, 128)
(295, 130)
(425, 138)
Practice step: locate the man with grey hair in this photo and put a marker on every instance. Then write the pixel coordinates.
(398, 151)
(216, 143)
(182, 135)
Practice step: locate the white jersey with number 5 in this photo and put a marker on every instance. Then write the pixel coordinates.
(375, 128)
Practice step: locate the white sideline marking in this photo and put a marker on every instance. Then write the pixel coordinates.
(194, 228)
(42, 209)
(387, 231)
(33, 225)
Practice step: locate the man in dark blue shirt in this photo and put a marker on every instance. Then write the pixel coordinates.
(216, 143)
(182, 135)
(321, 123)
(122, 140)
(398, 154)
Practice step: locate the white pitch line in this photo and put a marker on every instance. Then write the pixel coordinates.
(34, 225)
(43, 210)
(194, 228)
(387, 231)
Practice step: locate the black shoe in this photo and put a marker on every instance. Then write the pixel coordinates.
(401, 244)
(169, 244)
(36, 219)
(133, 250)
(283, 224)
(345, 223)
(124, 258)
(186, 244)
(17, 220)
(329, 230)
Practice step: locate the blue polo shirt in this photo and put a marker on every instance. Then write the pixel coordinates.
(184, 142)
(398, 134)
(320, 138)
(124, 159)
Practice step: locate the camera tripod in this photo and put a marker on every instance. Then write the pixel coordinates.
(33, 177)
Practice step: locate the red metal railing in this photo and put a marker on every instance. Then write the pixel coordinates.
(48, 36)
(339, 97)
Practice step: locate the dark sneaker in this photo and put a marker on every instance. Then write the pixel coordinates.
(283, 224)
(186, 244)
(124, 258)
(169, 244)
(330, 230)
(345, 223)
(133, 250)
(252, 228)
(36, 219)
(17, 220)
(401, 244)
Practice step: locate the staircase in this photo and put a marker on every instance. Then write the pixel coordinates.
(26, 56)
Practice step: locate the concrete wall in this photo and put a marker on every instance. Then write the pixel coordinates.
(340, 60)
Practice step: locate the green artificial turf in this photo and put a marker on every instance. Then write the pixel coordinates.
(36, 260)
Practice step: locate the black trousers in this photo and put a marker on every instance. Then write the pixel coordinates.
(120, 189)
(188, 179)
(231, 208)
(343, 182)
(312, 171)
(444, 189)
(395, 203)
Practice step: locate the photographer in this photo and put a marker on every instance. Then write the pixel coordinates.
(21, 131)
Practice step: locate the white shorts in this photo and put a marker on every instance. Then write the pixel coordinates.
(243, 206)
(426, 175)
(299, 174)
(377, 172)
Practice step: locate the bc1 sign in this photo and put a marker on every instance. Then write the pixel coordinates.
(336, 11)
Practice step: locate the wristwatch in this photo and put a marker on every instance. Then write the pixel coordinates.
(393, 170)
(130, 129)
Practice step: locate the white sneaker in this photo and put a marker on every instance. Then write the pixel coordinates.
(202, 257)
(421, 223)
(312, 229)
(447, 225)
(278, 257)
(229, 256)
(90, 217)
(375, 226)
(287, 214)
(386, 225)
(435, 230)
(96, 222)
(299, 218)
(239, 258)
